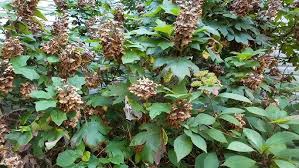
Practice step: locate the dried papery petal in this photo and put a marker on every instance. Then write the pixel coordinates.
(7, 156)
(73, 122)
(60, 26)
(84, 3)
(70, 60)
(112, 39)
(273, 7)
(253, 81)
(265, 63)
(26, 89)
(180, 112)
(12, 47)
(186, 23)
(93, 80)
(144, 88)
(241, 119)
(90, 111)
(69, 100)
(6, 77)
(61, 4)
(242, 7)
(25, 8)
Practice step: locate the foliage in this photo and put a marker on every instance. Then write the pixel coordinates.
(113, 84)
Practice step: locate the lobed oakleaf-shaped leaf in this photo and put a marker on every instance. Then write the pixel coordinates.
(92, 133)
(157, 108)
(180, 67)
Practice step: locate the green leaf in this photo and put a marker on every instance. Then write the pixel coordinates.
(180, 67)
(92, 133)
(152, 139)
(217, 135)
(27, 72)
(203, 119)
(130, 57)
(99, 100)
(197, 140)
(232, 111)
(44, 104)
(282, 138)
(67, 158)
(284, 164)
(170, 7)
(235, 97)
(163, 27)
(239, 147)
(53, 59)
(38, 94)
(254, 138)
(76, 81)
(20, 138)
(165, 44)
(19, 61)
(239, 161)
(157, 108)
(58, 117)
(207, 160)
(182, 146)
(257, 111)
(39, 14)
(230, 119)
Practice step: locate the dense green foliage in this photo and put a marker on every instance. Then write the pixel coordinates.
(150, 84)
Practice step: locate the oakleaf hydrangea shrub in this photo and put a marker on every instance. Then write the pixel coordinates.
(149, 83)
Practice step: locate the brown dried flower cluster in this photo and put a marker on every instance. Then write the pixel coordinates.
(112, 37)
(181, 111)
(12, 47)
(273, 8)
(90, 111)
(26, 89)
(8, 158)
(119, 15)
(144, 88)
(241, 7)
(60, 32)
(186, 23)
(73, 122)
(61, 4)
(218, 70)
(84, 3)
(240, 118)
(25, 10)
(70, 60)
(69, 99)
(253, 81)
(93, 80)
(6, 76)
(265, 63)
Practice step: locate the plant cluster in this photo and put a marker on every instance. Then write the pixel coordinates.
(150, 83)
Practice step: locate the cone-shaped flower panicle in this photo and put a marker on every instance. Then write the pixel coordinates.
(70, 60)
(69, 99)
(6, 76)
(186, 22)
(180, 112)
(253, 81)
(12, 47)
(144, 88)
(26, 89)
(273, 8)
